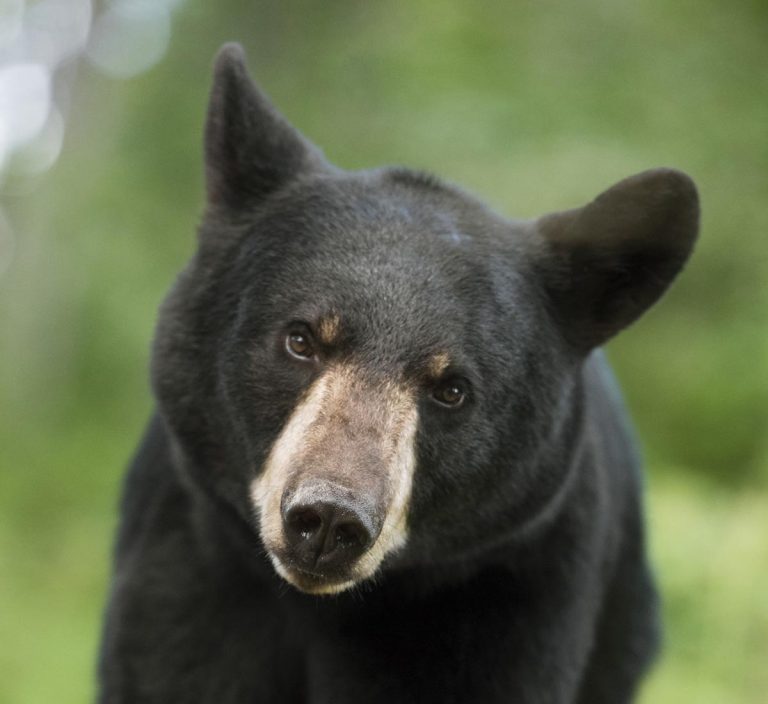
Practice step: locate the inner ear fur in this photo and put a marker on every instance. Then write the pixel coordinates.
(250, 148)
(606, 263)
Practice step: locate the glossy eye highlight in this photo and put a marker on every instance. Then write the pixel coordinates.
(449, 393)
(299, 344)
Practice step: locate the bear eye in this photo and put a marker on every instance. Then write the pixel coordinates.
(299, 344)
(449, 393)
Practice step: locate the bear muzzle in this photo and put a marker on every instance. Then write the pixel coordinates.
(332, 497)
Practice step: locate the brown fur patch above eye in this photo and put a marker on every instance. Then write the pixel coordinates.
(437, 364)
(329, 329)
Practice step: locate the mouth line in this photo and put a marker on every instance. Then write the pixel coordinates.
(309, 581)
(311, 574)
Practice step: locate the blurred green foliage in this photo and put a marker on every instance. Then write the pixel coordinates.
(534, 105)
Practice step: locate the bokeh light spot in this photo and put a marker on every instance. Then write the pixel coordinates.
(130, 37)
(25, 102)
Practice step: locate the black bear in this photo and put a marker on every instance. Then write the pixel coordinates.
(389, 462)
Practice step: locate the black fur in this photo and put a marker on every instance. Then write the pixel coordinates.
(524, 578)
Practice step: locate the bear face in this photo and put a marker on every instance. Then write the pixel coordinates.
(292, 367)
(353, 361)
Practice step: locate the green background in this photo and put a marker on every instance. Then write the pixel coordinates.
(536, 106)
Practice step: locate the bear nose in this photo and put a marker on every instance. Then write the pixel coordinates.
(326, 535)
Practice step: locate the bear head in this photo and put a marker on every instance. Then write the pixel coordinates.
(373, 368)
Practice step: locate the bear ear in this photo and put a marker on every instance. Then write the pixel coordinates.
(606, 263)
(250, 149)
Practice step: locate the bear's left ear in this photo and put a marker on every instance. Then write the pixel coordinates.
(606, 263)
(250, 148)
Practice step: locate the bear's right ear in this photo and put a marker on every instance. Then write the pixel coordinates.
(250, 149)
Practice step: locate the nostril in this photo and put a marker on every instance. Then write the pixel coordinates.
(304, 521)
(350, 535)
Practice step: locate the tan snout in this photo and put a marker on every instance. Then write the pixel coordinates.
(333, 496)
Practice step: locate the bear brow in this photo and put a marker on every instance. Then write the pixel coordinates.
(437, 364)
(329, 329)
